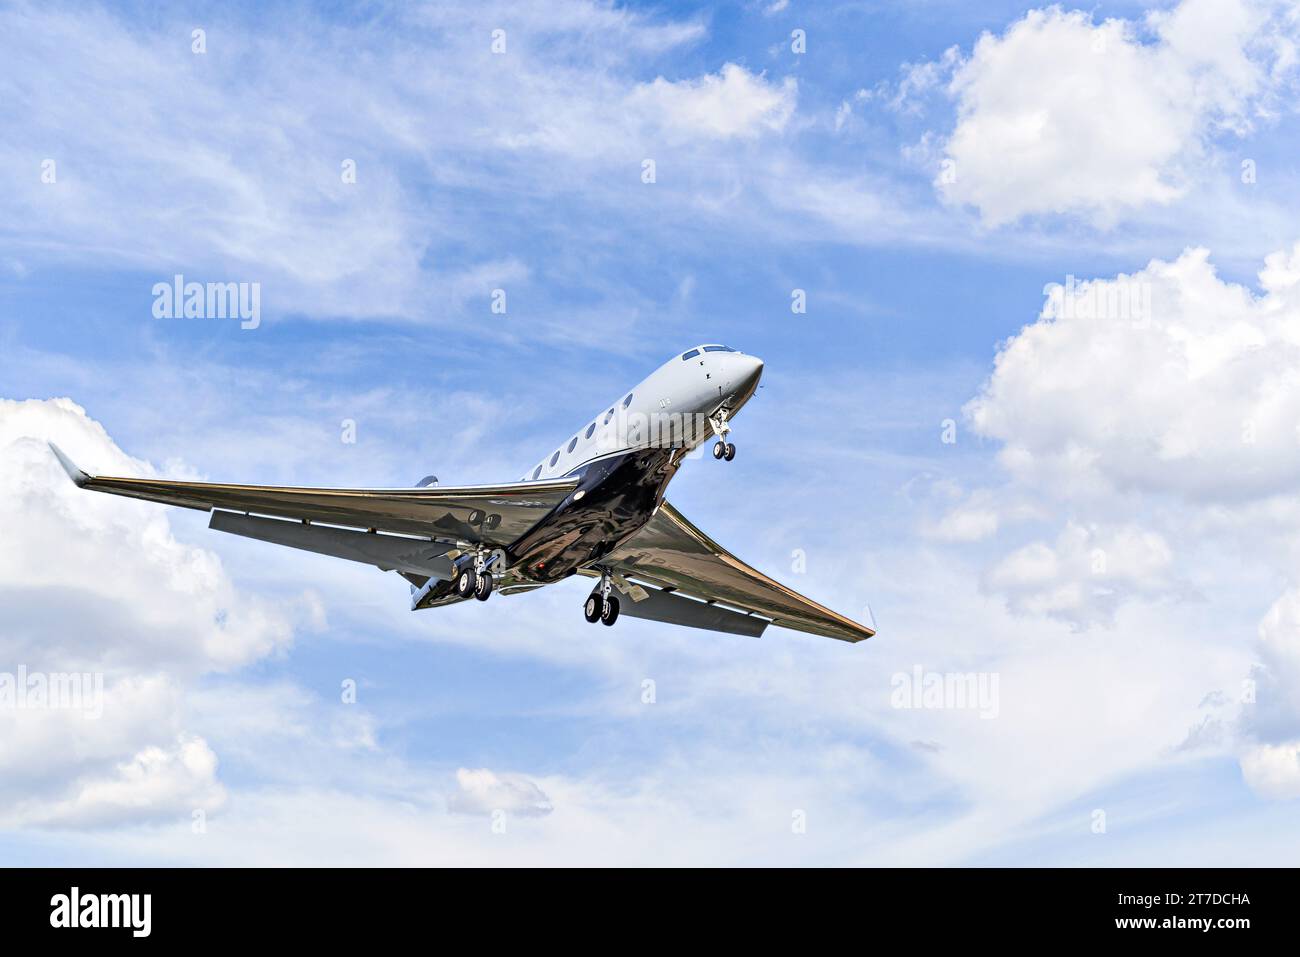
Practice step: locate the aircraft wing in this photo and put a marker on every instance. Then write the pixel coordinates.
(674, 555)
(372, 525)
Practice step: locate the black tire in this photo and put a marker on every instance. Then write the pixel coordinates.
(609, 614)
(466, 582)
(719, 449)
(592, 609)
(730, 452)
(483, 587)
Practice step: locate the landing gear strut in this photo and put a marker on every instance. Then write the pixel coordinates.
(722, 449)
(602, 604)
(474, 579)
(483, 578)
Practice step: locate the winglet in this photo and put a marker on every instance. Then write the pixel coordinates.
(79, 478)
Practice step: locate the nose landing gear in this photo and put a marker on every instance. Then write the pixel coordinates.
(602, 605)
(722, 449)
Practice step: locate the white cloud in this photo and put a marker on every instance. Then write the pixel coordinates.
(920, 80)
(135, 594)
(1273, 770)
(1063, 115)
(1200, 400)
(1185, 413)
(965, 523)
(1274, 713)
(730, 103)
(159, 783)
(1085, 574)
(484, 792)
(227, 182)
(99, 585)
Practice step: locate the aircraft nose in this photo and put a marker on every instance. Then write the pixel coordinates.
(749, 369)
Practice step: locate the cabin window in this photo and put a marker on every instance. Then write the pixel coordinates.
(609, 415)
(536, 472)
(628, 400)
(691, 355)
(555, 458)
(590, 429)
(572, 443)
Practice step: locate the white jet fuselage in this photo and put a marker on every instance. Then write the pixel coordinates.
(670, 408)
(626, 456)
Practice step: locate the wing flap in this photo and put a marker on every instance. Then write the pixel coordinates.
(414, 556)
(659, 605)
(672, 553)
(494, 515)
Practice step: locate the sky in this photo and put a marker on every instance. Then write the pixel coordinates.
(1026, 283)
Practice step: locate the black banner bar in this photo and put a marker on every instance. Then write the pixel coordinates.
(332, 906)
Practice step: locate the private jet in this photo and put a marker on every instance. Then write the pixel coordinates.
(594, 506)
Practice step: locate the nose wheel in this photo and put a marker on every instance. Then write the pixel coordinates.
(602, 605)
(722, 449)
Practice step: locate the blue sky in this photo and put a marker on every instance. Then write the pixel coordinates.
(1109, 529)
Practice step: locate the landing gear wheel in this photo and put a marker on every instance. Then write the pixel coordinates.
(609, 614)
(466, 582)
(730, 452)
(483, 587)
(591, 610)
(719, 449)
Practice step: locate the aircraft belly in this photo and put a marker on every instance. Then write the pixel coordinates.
(613, 500)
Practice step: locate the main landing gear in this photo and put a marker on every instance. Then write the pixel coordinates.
(602, 604)
(722, 449)
(474, 578)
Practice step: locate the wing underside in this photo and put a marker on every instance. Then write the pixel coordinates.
(675, 556)
(390, 528)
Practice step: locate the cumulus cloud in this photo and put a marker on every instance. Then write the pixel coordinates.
(133, 594)
(1084, 575)
(1184, 406)
(158, 783)
(1273, 771)
(482, 792)
(1198, 400)
(1059, 114)
(1273, 714)
(99, 585)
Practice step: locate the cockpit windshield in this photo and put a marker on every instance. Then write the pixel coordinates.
(714, 348)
